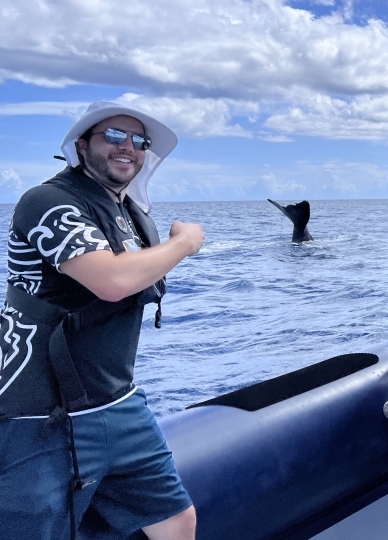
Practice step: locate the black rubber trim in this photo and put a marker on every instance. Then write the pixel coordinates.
(265, 393)
(331, 515)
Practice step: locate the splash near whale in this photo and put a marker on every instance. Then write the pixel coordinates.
(299, 214)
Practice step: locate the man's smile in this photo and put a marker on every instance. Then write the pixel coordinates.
(123, 160)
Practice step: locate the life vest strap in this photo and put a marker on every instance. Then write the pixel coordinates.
(73, 394)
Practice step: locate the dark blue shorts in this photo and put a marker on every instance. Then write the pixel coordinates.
(122, 456)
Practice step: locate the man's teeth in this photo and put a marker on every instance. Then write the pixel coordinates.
(123, 160)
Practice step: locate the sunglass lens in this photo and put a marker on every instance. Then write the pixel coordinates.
(114, 136)
(140, 143)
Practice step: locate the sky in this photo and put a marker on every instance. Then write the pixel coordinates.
(280, 99)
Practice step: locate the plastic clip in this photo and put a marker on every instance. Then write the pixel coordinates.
(158, 316)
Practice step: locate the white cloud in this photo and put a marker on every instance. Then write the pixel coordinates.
(192, 180)
(195, 117)
(46, 108)
(348, 9)
(313, 2)
(335, 178)
(325, 2)
(363, 117)
(10, 179)
(189, 180)
(230, 48)
(301, 112)
(17, 177)
(190, 117)
(29, 78)
(278, 186)
(210, 68)
(275, 138)
(352, 178)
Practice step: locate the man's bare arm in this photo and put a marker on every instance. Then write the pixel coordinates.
(113, 277)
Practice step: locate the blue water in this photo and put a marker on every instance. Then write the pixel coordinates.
(252, 305)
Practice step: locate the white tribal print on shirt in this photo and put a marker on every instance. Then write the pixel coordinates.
(61, 234)
(38, 243)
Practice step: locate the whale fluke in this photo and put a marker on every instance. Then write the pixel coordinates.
(299, 214)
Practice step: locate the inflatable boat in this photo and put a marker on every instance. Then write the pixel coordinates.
(300, 456)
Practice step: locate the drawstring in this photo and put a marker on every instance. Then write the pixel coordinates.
(158, 316)
(117, 194)
(158, 313)
(57, 415)
(76, 484)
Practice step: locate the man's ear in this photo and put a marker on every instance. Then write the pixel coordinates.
(81, 145)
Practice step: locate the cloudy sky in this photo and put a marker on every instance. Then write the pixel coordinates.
(286, 99)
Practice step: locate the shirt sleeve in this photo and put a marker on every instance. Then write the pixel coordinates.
(59, 227)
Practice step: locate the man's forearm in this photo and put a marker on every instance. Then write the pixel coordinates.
(112, 277)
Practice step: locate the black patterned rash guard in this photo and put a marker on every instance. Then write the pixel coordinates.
(35, 251)
(50, 226)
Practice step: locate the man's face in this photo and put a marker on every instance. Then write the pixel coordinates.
(114, 164)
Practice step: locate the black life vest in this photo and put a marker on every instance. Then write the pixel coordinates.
(52, 379)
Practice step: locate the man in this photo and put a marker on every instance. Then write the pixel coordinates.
(78, 439)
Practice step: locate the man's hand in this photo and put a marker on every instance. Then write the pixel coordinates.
(113, 277)
(189, 233)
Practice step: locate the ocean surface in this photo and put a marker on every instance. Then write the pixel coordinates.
(252, 305)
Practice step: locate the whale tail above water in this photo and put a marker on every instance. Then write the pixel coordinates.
(299, 214)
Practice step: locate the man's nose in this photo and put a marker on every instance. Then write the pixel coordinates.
(127, 144)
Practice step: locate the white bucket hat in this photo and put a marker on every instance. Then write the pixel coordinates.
(163, 140)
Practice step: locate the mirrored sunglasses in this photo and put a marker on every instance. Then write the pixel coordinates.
(115, 136)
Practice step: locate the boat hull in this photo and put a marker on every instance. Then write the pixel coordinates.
(291, 461)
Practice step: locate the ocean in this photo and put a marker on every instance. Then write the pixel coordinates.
(252, 305)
